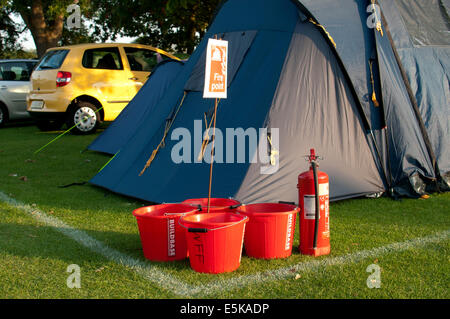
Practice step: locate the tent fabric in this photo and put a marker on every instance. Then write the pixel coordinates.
(346, 21)
(321, 110)
(420, 31)
(136, 112)
(429, 78)
(239, 43)
(405, 143)
(427, 21)
(409, 154)
(166, 181)
(290, 80)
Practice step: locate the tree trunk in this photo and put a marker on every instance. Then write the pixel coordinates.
(191, 34)
(44, 35)
(191, 43)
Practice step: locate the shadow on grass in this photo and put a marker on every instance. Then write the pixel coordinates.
(15, 124)
(27, 123)
(45, 242)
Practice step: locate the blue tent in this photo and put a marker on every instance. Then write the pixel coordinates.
(315, 73)
(421, 39)
(141, 107)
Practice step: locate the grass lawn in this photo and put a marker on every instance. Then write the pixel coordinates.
(34, 256)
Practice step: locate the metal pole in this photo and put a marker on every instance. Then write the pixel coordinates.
(212, 154)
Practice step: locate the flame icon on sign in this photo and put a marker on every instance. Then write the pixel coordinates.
(216, 56)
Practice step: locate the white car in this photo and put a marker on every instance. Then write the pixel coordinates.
(14, 87)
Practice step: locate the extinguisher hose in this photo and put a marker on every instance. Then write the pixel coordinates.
(316, 188)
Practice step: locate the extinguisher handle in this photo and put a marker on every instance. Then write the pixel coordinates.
(317, 212)
(308, 158)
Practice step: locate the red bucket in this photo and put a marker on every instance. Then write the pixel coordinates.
(216, 205)
(214, 241)
(270, 231)
(162, 237)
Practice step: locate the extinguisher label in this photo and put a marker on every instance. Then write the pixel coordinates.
(309, 202)
(324, 189)
(309, 207)
(171, 237)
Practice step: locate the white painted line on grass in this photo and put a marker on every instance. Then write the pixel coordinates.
(315, 265)
(177, 286)
(151, 272)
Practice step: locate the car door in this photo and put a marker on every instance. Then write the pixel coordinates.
(14, 87)
(108, 77)
(141, 62)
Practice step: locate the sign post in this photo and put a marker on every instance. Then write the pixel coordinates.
(215, 86)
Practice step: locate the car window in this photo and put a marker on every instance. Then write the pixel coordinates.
(15, 71)
(143, 59)
(52, 60)
(31, 66)
(102, 58)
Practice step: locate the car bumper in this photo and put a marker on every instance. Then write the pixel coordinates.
(54, 102)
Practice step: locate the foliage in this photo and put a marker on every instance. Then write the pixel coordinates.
(174, 25)
(45, 19)
(77, 36)
(10, 47)
(18, 54)
(8, 33)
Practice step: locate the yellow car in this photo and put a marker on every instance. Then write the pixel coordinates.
(83, 85)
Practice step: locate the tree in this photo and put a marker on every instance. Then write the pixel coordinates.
(45, 19)
(77, 36)
(167, 24)
(8, 33)
(193, 18)
(10, 48)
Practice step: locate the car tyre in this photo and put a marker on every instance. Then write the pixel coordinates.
(84, 118)
(3, 115)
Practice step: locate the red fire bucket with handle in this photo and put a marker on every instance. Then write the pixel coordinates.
(214, 241)
(270, 231)
(162, 237)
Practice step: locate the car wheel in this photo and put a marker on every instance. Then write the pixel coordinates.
(84, 118)
(45, 125)
(3, 115)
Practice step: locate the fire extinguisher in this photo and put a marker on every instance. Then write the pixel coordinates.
(313, 198)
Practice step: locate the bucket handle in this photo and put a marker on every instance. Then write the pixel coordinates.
(231, 206)
(197, 230)
(205, 230)
(175, 214)
(178, 214)
(288, 203)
